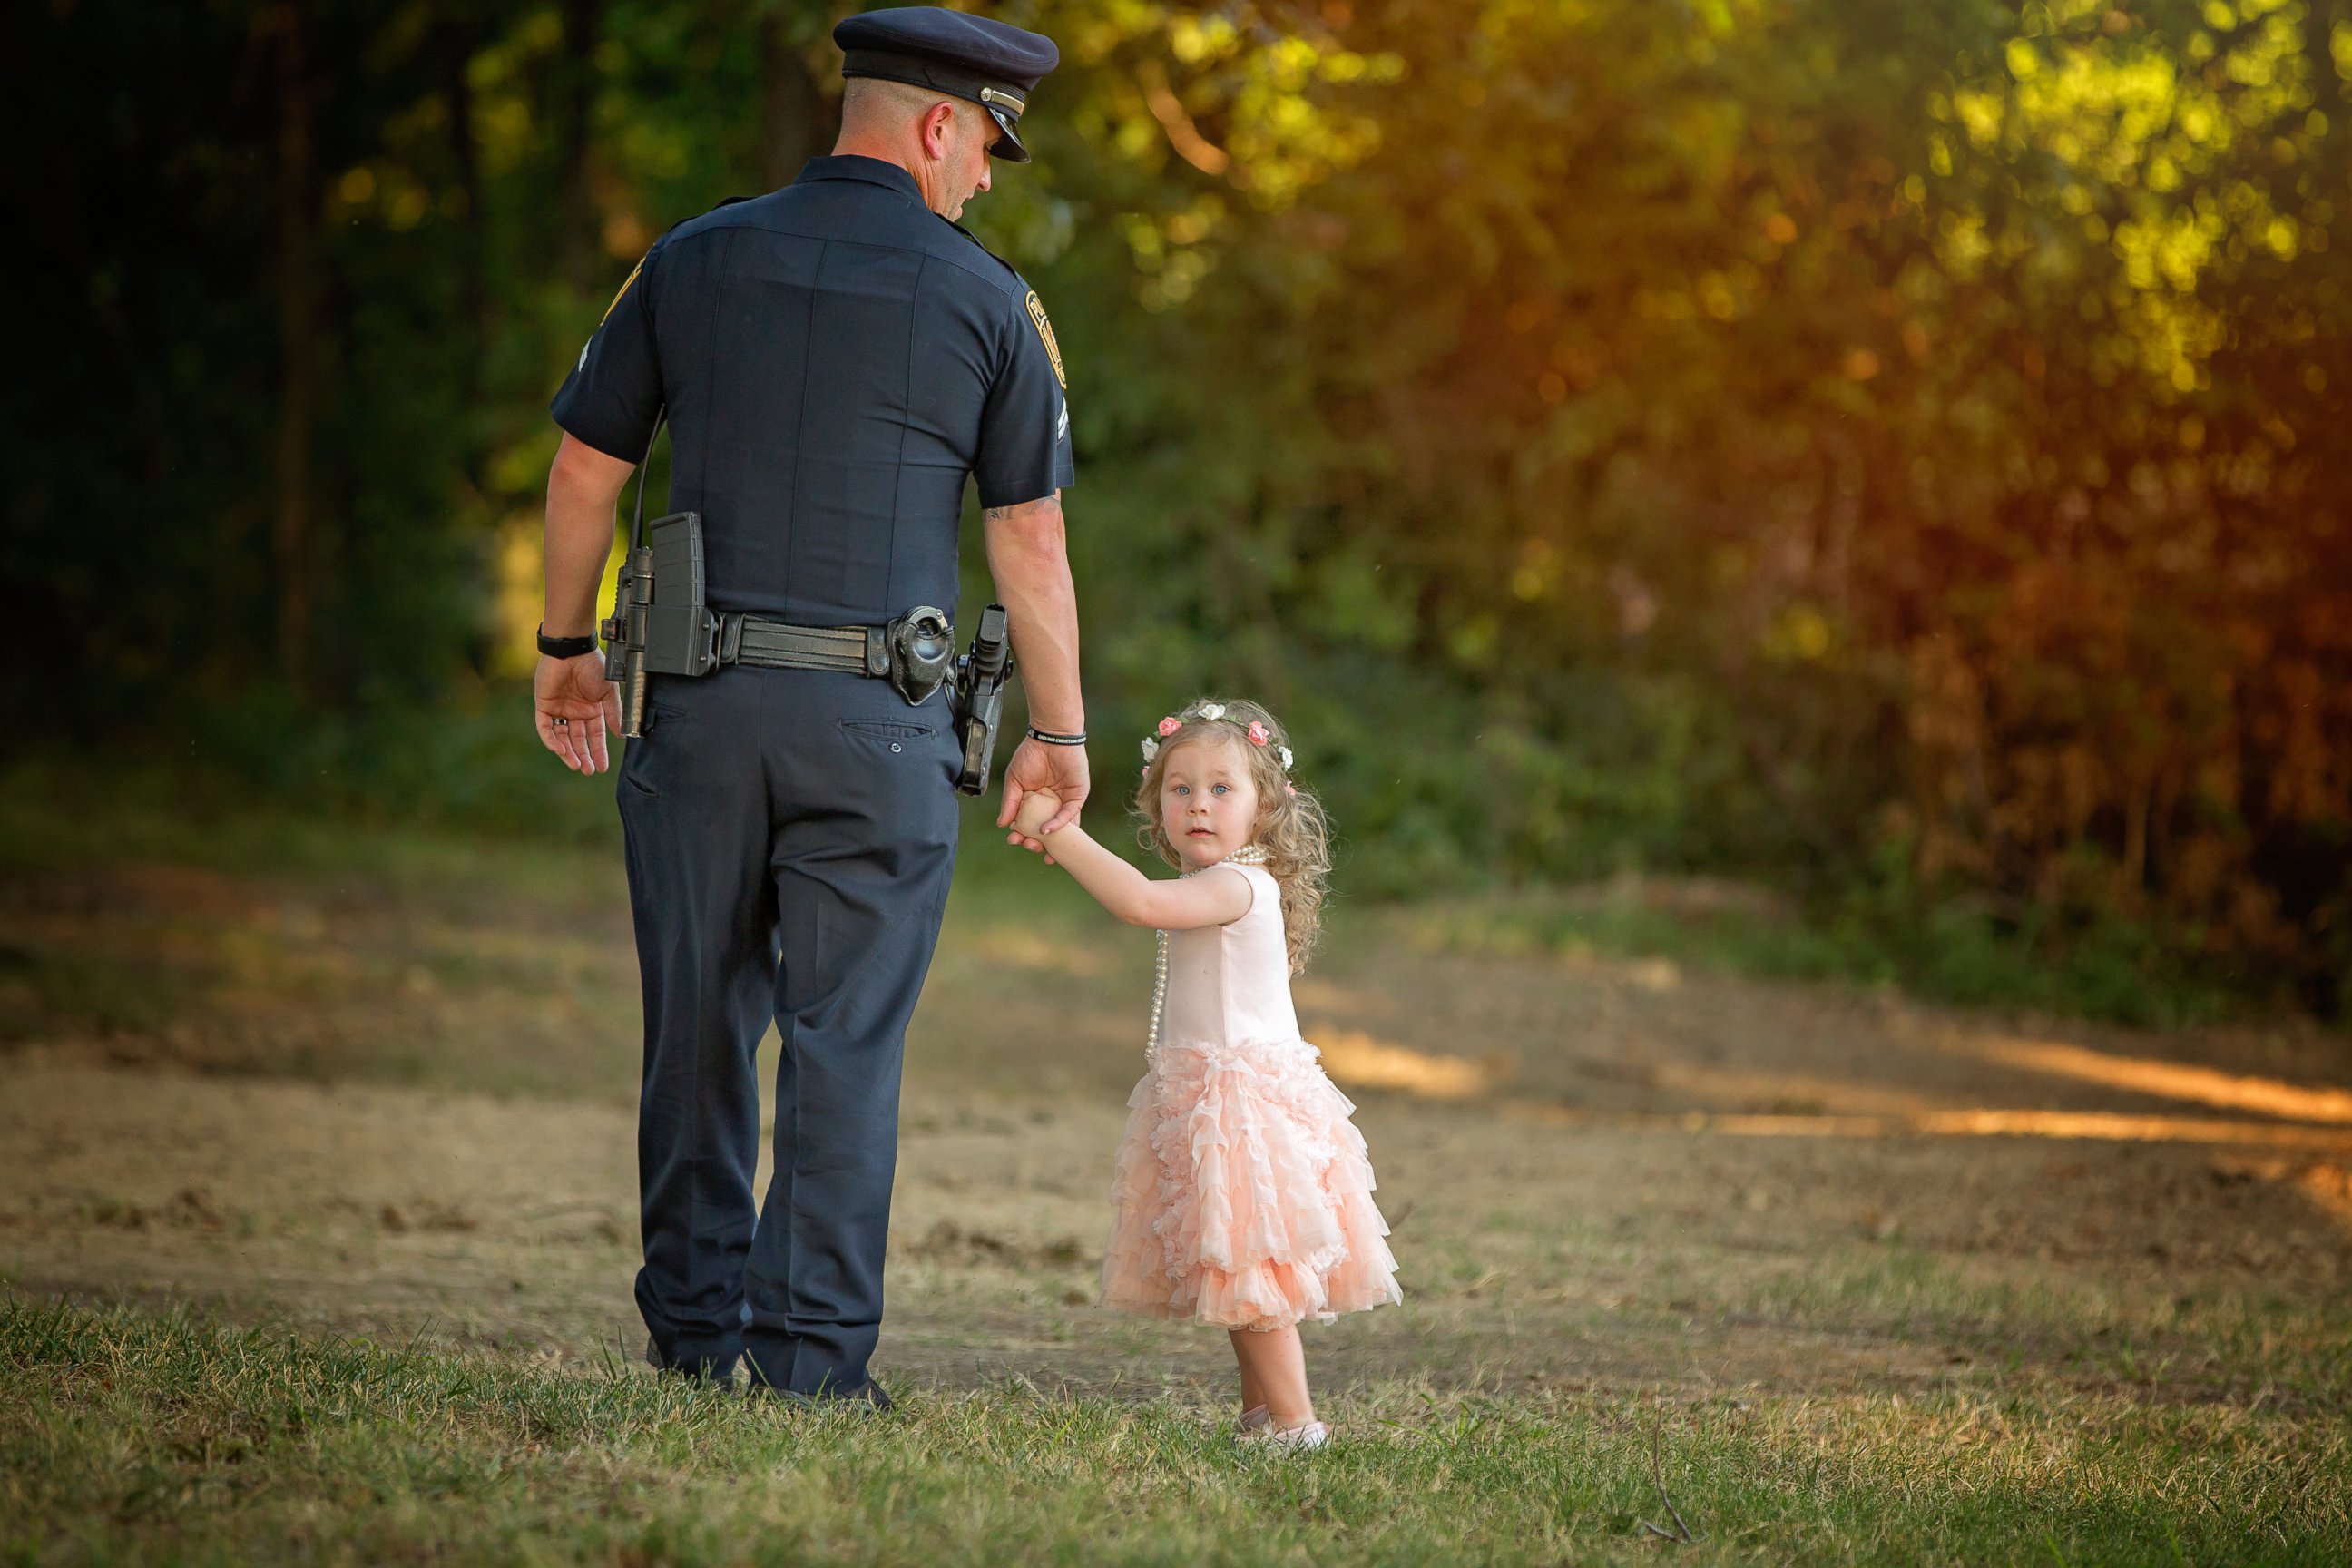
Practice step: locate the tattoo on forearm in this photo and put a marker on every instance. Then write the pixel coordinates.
(996, 513)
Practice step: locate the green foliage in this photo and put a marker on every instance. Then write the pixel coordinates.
(1744, 443)
(1736, 437)
(468, 767)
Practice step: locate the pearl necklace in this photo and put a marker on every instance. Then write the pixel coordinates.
(1247, 855)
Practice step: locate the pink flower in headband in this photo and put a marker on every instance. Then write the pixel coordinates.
(1170, 726)
(1257, 733)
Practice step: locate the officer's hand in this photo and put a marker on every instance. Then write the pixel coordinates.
(1060, 770)
(575, 706)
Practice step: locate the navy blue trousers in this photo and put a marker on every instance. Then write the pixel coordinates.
(790, 835)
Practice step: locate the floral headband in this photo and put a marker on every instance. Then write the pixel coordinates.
(1256, 732)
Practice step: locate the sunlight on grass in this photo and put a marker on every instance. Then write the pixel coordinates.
(1358, 1060)
(2172, 1080)
(134, 1436)
(2098, 1126)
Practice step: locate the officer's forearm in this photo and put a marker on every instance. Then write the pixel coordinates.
(1029, 559)
(581, 489)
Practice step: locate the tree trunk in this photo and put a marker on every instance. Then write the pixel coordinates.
(792, 117)
(581, 22)
(456, 45)
(298, 208)
(457, 49)
(2321, 19)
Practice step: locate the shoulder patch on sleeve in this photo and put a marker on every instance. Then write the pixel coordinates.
(625, 282)
(1045, 332)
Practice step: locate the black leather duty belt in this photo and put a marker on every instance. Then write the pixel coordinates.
(773, 645)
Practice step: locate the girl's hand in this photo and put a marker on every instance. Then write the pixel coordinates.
(1058, 770)
(1037, 808)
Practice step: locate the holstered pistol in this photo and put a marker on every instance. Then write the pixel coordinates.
(981, 676)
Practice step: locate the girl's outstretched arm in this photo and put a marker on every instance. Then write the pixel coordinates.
(1161, 904)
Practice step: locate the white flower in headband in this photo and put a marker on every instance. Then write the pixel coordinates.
(1150, 747)
(1283, 753)
(1212, 710)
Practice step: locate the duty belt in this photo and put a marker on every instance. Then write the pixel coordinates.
(773, 645)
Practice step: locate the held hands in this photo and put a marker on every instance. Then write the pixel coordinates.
(1030, 824)
(1037, 808)
(576, 705)
(1059, 772)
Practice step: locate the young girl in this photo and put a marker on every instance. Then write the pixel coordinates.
(1243, 1196)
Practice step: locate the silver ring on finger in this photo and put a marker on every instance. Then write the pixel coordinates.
(563, 723)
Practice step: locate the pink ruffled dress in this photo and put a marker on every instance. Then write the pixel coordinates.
(1243, 1195)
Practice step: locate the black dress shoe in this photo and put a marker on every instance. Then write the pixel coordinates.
(868, 1397)
(697, 1374)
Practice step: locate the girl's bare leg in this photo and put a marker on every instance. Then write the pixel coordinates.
(1275, 1362)
(1252, 1394)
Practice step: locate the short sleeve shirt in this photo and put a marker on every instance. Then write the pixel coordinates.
(836, 361)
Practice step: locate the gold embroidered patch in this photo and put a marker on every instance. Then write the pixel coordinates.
(632, 277)
(1045, 331)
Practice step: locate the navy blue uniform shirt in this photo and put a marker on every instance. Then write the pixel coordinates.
(836, 359)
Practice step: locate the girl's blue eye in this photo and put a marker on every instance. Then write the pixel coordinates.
(1184, 789)
(1222, 789)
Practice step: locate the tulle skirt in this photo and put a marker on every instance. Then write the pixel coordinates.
(1242, 1194)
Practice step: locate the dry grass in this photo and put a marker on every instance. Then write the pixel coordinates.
(369, 1090)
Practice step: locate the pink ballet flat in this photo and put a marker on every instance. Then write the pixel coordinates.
(1252, 1419)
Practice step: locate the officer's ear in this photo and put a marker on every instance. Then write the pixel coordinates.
(937, 129)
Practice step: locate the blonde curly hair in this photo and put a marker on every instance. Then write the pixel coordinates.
(1291, 827)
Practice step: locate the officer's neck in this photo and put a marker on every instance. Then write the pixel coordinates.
(887, 149)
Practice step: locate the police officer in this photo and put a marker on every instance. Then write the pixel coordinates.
(833, 359)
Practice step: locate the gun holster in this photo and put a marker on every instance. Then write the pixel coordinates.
(660, 623)
(979, 701)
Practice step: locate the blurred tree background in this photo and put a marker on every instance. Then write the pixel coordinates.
(1874, 447)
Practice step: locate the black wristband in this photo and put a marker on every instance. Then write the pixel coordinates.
(565, 647)
(1051, 739)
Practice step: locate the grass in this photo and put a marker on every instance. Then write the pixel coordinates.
(321, 941)
(2202, 1343)
(139, 1437)
(2090, 1413)
(1945, 952)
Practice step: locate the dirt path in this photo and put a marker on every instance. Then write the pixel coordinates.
(411, 1113)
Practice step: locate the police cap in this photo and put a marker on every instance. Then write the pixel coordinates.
(991, 63)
